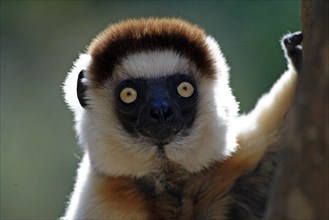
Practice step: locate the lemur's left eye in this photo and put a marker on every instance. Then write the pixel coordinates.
(128, 95)
(185, 89)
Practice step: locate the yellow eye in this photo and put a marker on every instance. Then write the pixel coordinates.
(128, 95)
(185, 89)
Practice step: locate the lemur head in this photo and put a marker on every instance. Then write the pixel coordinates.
(149, 89)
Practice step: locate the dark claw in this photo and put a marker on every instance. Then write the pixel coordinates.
(293, 48)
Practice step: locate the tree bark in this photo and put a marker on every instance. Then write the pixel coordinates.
(301, 186)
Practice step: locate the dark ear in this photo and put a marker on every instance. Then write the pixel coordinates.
(81, 89)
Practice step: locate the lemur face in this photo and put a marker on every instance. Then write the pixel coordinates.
(151, 89)
(157, 108)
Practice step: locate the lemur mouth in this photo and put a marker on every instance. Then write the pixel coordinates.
(161, 134)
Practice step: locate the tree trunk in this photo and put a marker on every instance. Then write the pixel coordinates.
(301, 186)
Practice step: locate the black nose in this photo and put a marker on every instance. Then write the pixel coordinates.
(161, 113)
(159, 120)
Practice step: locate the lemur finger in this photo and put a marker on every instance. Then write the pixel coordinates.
(291, 44)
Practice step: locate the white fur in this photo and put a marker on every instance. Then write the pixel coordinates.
(80, 188)
(258, 130)
(87, 203)
(70, 90)
(153, 64)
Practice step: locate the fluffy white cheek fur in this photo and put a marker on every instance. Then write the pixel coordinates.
(110, 148)
(213, 135)
(97, 128)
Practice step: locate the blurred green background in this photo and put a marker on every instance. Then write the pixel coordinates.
(41, 39)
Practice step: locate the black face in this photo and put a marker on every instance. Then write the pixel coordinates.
(157, 108)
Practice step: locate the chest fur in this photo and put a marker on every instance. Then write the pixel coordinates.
(221, 191)
(173, 193)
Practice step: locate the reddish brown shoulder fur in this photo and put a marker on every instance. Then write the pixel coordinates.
(119, 40)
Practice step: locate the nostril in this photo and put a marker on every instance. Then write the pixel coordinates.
(167, 113)
(155, 114)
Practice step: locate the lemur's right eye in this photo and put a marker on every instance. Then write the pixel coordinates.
(185, 89)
